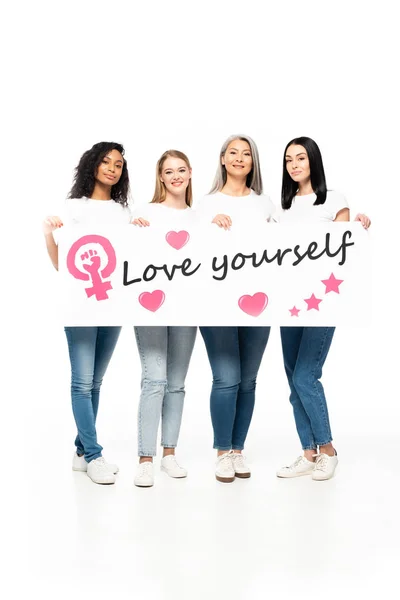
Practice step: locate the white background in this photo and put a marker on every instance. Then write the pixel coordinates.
(175, 75)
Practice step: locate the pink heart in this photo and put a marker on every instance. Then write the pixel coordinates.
(152, 300)
(253, 305)
(177, 239)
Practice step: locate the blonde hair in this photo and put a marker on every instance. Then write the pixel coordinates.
(254, 180)
(160, 191)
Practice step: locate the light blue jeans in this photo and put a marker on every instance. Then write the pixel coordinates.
(165, 354)
(90, 351)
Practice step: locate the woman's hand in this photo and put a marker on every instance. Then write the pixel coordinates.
(50, 224)
(141, 222)
(365, 221)
(223, 221)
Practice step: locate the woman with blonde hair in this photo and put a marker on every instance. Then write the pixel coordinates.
(165, 352)
(235, 353)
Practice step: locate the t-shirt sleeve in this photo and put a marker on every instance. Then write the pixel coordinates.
(128, 214)
(336, 202)
(205, 211)
(268, 207)
(72, 210)
(140, 210)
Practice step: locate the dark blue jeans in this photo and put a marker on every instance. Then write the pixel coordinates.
(90, 351)
(304, 353)
(235, 355)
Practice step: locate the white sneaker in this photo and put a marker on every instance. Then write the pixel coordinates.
(301, 466)
(79, 464)
(239, 466)
(99, 471)
(171, 467)
(225, 471)
(144, 475)
(324, 467)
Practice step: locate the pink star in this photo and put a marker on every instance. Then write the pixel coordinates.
(332, 284)
(312, 302)
(294, 311)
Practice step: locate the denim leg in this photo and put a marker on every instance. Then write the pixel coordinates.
(222, 345)
(291, 340)
(180, 347)
(82, 349)
(107, 338)
(152, 343)
(82, 346)
(252, 344)
(104, 344)
(314, 348)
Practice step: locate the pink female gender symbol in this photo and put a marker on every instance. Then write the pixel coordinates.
(99, 287)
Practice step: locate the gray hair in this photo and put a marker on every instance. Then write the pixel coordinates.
(254, 180)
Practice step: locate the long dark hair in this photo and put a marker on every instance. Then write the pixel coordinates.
(86, 170)
(318, 181)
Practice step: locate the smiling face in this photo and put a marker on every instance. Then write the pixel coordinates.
(297, 164)
(175, 175)
(237, 159)
(109, 170)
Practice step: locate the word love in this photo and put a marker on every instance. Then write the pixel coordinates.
(313, 252)
(151, 271)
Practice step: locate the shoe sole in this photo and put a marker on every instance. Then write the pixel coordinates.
(243, 475)
(173, 476)
(77, 470)
(292, 476)
(224, 479)
(142, 485)
(102, 482)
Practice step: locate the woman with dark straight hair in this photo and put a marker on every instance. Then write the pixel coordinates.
(306, 199)
(99, 195)
(317, 174)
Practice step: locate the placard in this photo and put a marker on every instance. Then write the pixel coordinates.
(268, 274)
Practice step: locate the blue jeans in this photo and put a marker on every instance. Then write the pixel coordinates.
(235, 355)
(90, 351)
(165, 354)
(304, 353)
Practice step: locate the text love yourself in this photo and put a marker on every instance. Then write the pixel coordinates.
(222, 264)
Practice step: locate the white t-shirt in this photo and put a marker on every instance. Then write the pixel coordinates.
(159, 214)
(86, 211)
(303, 209)
(250, 208)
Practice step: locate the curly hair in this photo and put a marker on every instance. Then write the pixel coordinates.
(84, 180)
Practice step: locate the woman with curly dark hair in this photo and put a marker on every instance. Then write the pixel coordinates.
(99, 195)
(86, 173)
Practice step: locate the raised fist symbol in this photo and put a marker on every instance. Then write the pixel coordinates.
(91, 263)
(94, 265)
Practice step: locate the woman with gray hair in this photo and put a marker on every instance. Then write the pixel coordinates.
(234, 353)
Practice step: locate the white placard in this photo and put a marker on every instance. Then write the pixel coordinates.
(268, 274)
